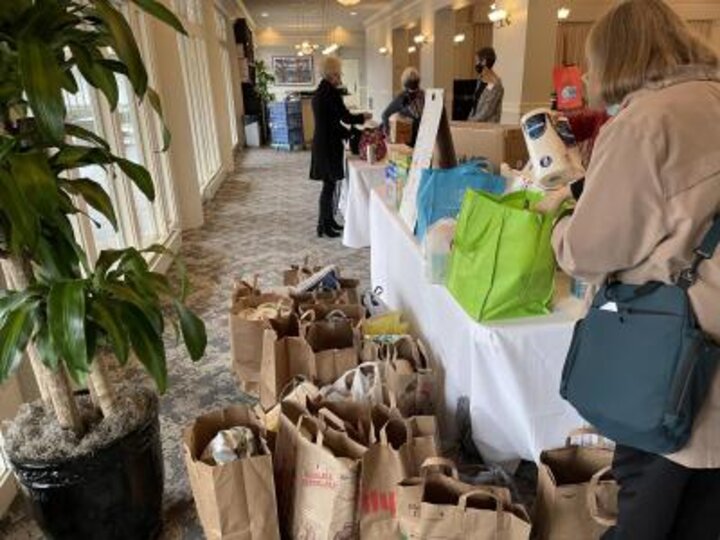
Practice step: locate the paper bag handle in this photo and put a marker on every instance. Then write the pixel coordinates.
(329, 416)
(408, 432)
(592, 500)
(296, 381)
(320, 438)
(440, 463)
(336, 314)
(308, 315)
(462, 502)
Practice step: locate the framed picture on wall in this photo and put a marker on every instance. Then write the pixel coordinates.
(293, 70)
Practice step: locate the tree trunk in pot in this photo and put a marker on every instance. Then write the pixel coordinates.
(54, 386)
(102, 392)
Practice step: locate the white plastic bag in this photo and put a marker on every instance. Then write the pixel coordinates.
(436, 248)
(362, 384)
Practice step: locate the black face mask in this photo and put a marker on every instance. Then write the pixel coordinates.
(412, 86)
(479, 67)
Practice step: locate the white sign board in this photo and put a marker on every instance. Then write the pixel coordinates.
(423, 153)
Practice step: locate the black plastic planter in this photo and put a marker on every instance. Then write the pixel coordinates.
(115, 493)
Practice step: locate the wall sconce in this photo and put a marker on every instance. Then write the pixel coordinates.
(563, 13)
(412, 49)
(420, 39)
(384, 51)
(459, 38)
(330, 49)
(499, 17)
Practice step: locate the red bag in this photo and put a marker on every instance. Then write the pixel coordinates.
(373, 136)
(568, 87)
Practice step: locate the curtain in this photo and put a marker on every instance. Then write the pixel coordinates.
(571, 38)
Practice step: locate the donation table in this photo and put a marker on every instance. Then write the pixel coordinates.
(361, 179)
(509, 371)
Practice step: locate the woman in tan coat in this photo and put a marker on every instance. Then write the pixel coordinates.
(651, 192)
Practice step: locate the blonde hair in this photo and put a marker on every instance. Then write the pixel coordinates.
(331, 65)
(410, 74)
(640, 42)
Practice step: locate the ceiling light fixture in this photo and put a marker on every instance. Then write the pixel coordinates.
(353, 13)
(384, 51)
(498, 16)
(306, 48)
(264, 14)
(563, 13)
(412, 49)
(348, 3)
(420, 39)
(331, 49)
(459, 38)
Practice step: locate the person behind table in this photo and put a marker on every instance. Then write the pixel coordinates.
(489, 92)
(409, 104)
(327, 161)
(651, 191)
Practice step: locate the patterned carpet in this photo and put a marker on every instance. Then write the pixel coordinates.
(261, 220)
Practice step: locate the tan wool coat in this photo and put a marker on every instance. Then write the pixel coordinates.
(651, 191)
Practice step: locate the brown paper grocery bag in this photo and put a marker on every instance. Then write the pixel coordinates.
(575, 500)
(246, 334)
(453, 510)
(235, 501)
(326, 482)
(285, 355)
(335, 343)
(410, 376)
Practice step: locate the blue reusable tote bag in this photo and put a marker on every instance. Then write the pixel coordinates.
(442, 191)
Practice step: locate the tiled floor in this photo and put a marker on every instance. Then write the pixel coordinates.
(261, 220)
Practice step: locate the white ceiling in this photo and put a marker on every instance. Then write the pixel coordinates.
(311, 16)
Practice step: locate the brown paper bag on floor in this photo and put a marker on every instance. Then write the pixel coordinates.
(235, 501)
(575, 500)
(452, 510)
(335, 342)
(247, 328)
(285, 355)
(326, 483)
(410, 376)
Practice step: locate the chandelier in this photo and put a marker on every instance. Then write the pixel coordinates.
(306, 48)
(348, 3)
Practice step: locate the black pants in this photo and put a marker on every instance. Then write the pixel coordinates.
(661, 500)
(327, 203)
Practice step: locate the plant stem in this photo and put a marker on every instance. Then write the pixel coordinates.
(102, 392)
(55, 389)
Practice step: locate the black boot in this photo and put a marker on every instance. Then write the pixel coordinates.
(325, 219)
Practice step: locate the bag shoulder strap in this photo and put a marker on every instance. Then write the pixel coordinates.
(704, 252)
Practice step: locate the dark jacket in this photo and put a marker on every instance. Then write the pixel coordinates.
(408, 105)
(327, 149)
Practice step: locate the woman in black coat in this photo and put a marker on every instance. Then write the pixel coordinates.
(328, 153)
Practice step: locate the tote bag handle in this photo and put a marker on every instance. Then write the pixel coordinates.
(592, 499)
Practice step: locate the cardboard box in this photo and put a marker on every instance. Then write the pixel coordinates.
(497, 142)
(401, 129)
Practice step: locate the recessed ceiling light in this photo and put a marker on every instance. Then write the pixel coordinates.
(265, 14)
(353, 13)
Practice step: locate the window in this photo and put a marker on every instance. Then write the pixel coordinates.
(194, 61)
(221, 29)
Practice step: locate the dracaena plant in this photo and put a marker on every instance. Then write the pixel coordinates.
(64, 312)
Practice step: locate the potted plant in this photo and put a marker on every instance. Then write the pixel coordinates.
(90, 465)
(265, 80)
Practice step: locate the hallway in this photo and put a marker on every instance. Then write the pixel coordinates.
(261, 220)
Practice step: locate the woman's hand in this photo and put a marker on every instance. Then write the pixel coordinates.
(367, 116)
(554, 200)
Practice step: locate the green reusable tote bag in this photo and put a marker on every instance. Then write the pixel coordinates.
(502, 263)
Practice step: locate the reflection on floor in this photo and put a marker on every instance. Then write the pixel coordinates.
(261, 220)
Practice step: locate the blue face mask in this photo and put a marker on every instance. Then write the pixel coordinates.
(613, 110)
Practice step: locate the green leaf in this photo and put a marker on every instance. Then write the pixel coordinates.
(147, 344)
(73, 157)
(193, 331)
(157, 10)
(57, 259)
(108, 316)
(24, 225)
(15, 333)
(126, 293)
(66, 318)
(139, 176)
(68, 82)
(6, 146)
(42, 79)
(107, 258)
(11, 301)
(32, 173)
(46, 348)
(95, 195)
(124, 44)
(97, 74)
(157, 107)
(85, 134)
(115, 65)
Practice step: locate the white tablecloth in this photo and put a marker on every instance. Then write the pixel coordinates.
(510, 371)
(361, 179)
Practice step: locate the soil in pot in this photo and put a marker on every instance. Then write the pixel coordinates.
(107, 485)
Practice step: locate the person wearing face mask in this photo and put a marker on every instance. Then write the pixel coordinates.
(651, 192)
(409, 103)
(489, 93)
(327, 161)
